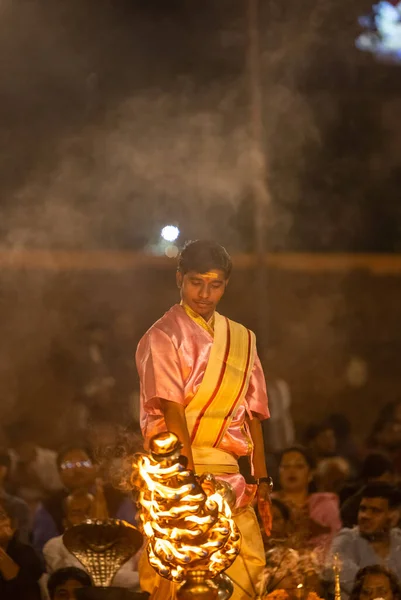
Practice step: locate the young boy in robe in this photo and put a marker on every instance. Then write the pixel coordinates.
(201, 378)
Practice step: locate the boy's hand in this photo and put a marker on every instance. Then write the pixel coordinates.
(264, 506)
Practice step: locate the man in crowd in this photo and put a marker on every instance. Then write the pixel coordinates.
(201, 379)
(376, 540)
(377, 467)
(78, 472)
(15, 507)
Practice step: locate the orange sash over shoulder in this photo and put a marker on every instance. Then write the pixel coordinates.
(224, 383)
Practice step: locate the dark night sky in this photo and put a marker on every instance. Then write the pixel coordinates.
(119, 116)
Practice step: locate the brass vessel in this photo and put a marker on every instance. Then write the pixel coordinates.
(103, 547)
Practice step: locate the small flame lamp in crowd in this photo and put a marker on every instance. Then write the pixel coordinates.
(337, 572)
(192, 538)
(103, 546)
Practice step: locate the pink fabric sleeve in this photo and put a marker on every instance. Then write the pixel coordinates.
(159, 371)
(256, 396)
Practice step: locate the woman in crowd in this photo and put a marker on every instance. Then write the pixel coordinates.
(375, 581)
(315, 516)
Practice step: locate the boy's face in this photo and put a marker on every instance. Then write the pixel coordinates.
(202, 291)
(66, 591)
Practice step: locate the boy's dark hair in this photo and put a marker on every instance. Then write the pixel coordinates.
(202, 256)
(283, 508)
(375, 465)
(382, 490)
(61, 576)
(78, 446)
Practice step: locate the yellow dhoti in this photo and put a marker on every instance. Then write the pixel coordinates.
(208, 416)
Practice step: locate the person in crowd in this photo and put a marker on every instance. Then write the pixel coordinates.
(376, 581)
(62, 584)
(375, 540)
(315, 516)
(78, 471)
(320, 441)
(287, 567)
(96, 370)
(78, 507)
(386, 433)
(35, 473)
(279, 430)
(346, 445)
(377, 467)
(281, 522)
(20, 567)
(15, 507)
(332, 474)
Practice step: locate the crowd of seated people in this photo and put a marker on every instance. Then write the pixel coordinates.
(333, 502)
(338, 503)
(34, 562)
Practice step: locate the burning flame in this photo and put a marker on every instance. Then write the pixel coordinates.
(187, 526)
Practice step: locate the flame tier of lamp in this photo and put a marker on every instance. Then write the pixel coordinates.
(192, 538)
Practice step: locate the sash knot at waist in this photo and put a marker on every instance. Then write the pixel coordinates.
(213, 460)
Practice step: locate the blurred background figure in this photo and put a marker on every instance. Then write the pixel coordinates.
(15, 507)
(20, 567)
(376, 581)
(376, 540)
(376, 468)
(96, 368)
(386, 433)
(315, 515)
(78, 507)
(279, 430)
(78, 472)
(320, 441)
(346, 444)
(34, 472)
(332, 474)
(63, 583)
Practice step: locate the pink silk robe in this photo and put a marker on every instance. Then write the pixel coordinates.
(171, 359)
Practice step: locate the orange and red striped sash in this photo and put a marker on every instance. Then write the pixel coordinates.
(224, 383)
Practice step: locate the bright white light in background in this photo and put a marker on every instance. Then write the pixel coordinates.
(170, 233)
